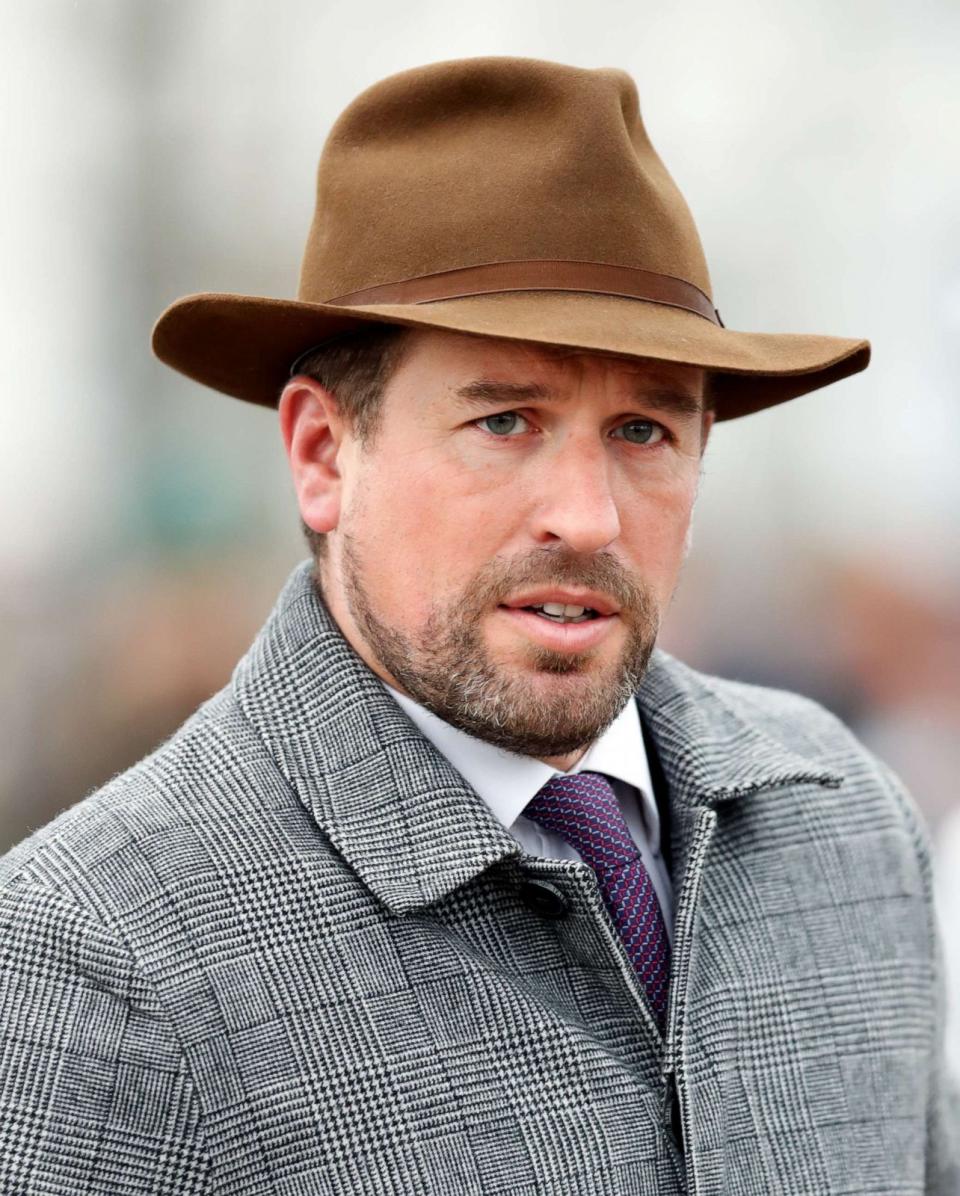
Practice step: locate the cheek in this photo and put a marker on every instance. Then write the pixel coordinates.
(655, 522)
(419, 527)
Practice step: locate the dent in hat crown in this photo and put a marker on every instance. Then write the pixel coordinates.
(485, 160)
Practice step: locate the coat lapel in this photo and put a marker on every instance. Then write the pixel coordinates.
(715, 742)
(401, 815)
(397, 811)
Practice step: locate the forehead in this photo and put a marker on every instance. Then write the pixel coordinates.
(438, 363)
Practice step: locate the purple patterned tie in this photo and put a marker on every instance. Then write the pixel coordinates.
(582, 809)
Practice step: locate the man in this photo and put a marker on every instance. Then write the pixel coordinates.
(461, 885)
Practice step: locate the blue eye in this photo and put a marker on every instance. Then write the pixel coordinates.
(505, 424)
(501, 424)
(641, 431)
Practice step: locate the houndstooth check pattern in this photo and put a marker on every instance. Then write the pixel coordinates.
(289, 952)
(582, 809)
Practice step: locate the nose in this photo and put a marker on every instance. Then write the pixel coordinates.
(575, 501)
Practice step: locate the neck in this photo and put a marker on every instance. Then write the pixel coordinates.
(565, 763)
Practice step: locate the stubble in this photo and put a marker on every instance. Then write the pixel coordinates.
(448, 669)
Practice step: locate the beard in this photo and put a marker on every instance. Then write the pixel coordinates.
(447, 668)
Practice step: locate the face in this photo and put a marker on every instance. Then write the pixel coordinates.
(504, 549)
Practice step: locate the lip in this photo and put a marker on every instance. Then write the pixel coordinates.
(561, 637)
(601, 603)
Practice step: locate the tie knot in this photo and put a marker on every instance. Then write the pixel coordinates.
(582, 809)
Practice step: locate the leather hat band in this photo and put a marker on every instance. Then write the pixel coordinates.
(598, 278)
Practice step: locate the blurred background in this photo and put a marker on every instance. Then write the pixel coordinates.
(156, 147)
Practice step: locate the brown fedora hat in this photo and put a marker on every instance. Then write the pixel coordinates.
(503, 197)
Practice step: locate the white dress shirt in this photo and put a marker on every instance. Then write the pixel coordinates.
(507, 782)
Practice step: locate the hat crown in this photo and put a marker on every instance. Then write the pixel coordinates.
(485, 160)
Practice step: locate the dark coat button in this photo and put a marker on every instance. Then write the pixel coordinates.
(543, 898)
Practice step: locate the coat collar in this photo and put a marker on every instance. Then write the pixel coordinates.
(396, 810)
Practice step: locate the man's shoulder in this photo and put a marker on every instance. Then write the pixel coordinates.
(797, 720)
(800, 723)
(213, 768)
(810, 731)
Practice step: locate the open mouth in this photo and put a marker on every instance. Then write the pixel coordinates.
(558, 612)
(529, 621)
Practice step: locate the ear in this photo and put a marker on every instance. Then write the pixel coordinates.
(313, 430)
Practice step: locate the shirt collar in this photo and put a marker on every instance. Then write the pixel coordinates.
(507, 782)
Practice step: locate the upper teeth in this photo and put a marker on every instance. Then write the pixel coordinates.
(558, 608)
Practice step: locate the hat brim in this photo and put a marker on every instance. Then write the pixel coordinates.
(244, 345)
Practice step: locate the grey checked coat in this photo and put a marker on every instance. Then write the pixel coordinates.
(292, 952)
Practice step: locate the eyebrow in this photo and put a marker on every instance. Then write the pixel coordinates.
(485, 391)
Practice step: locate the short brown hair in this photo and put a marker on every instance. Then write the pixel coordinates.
(355, 369)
